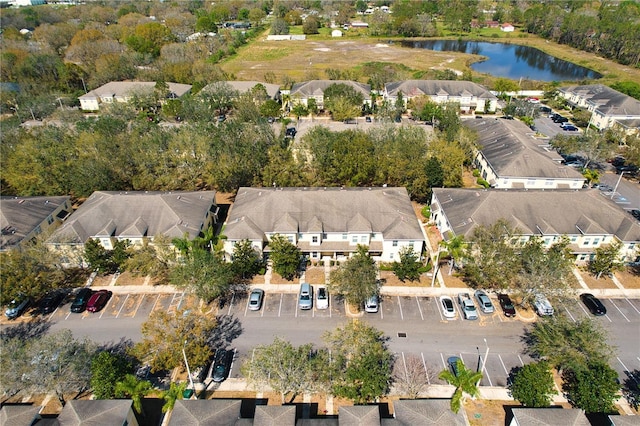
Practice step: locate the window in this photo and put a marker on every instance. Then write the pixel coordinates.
(363, 239)
(290, 238)
(596, 241)
(587, 241)
(314, 239)
(574, 239)
(49, 219)
(354, 239)
(411, 244)
(582, 257)
(395, 243)
(314, 254)
(344, 236)
(548, 182)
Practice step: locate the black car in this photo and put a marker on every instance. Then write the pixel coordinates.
(80, 302)
(594, 304)
(290, 132)
(507, 305)
(560, 119)
(635, 213)
(50, 301)
(221, 365)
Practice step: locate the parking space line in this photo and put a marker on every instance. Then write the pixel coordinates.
(153, 308)
(567, 310)
(424, 365)
(625, 317)
(233, 299)
(400, 306)
(632, 305)
(296, 308)
(280, 307)
(138, 307)
(443, 363)
(623, 366)
(419, 308)
(68, 313)
(583, 308)
(440, 310)
(246, 306)
(484, 369)
(122, 306)
(521, 362)
(404, 364)
(103, 311)
(504, 367)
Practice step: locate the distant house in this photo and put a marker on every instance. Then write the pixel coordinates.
(302, 92)
(548, 417)
(137, 217)
(607, 105)
(114, 412)
(587, 218)
(507, 28)
(471, 96)
(123, 91)
(326, 222)
(273, 90)
(336, 33)
(23, 218)
(509, 157)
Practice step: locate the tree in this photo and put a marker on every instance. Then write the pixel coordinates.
(279, 27)
(149, 37)
(533, 385)
(465, 382)
(564, 343)
(503, 85)
(132, 387)
(166, 334)
(287, 369)
(412, 377)
(204, 274)
(285, 256)
(594, 146)
(449, 122)
(13, 353)
(106, 261)
(433, 171)
(59, 363)
(409, 265)
(107, 369)
(343, 101)
(310, 25)
(355, 279)
(361, 364)
(299, 110)
(490, 260)
(591, 175)
(592, 387)
(174, 393)
(455, 248)
(246, 261)
(606, 260)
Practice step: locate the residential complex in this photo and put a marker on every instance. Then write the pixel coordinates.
(124, 91)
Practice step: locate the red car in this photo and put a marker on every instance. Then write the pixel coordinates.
(98, 300)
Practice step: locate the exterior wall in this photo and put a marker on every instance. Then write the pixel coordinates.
(391, 249)
(49, 223)
(89, 104)
(467, 104)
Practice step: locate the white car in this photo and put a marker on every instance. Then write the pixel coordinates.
(371, 305)
(542, 306)
(446, 304)
(322, 298)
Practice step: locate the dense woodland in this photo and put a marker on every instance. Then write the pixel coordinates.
(72, 49)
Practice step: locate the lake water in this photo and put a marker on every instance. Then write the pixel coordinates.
(511, 60)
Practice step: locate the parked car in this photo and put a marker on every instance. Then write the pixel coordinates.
(629, 169)
(484, 302)
(305, 299)
(322, 298)
(542, 306)
(290, 132)
(50, 301)
(221, 365)
(368, 119)
(80, 302)
(468, 307)
(594, 304)
(635, 213)
(446, 304)
(371, 305)
(98, 300)
(544, 109)
(255, 299)
(452, 362)
(560, 119)
(16, 307)
(507, 305)
(570, 128)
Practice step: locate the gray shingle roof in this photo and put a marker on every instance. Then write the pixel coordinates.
(19, 414)
(19, 216)
(205, 412)
(555, 212)
(317, 87)
(127, 88)
(413, 88)
(607, 100)
(123, 214)
(625, 420)
(427, 412)
(359, 415)
(95, 412)
(511, 152)
(274, 415)
(550, 417)
(245, 86)
(385, 210)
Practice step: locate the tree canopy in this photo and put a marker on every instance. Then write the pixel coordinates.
(285, 256)
(533, 385)
(356, 278)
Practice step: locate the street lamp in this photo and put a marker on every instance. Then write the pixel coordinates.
(184, 354)
(616, 187)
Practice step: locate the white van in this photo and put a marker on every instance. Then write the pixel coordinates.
(305, 300)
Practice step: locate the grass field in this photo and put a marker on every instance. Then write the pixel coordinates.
(308, 59)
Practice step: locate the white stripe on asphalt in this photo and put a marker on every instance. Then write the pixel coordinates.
(122, 306)
(400, 306)
(424, 364)
(625, 317)
(419, 308)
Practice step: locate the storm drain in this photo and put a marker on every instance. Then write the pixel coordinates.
(402, 334)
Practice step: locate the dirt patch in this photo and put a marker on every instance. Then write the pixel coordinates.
(453, 280)
(276, 278)
(630, 277)
(225, 197)
(592, 282)
(314, 275)
(434, 235)
(102, 280)
(127, 278)
(483, 412)
(390, 279)
(257, 279)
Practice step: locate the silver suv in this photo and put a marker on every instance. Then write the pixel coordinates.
(305, 300)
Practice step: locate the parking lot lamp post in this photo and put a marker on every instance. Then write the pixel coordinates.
(184, 354)
(617, 183)
(479, 358)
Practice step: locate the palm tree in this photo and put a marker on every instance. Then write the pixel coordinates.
(132, 387)
(174, 393)
(455, 248)
(465, 381)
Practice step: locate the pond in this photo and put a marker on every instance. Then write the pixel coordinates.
(511, 60)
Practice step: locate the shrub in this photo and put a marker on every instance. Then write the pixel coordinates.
(476, 173)
(483, 182)
(426, 211)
